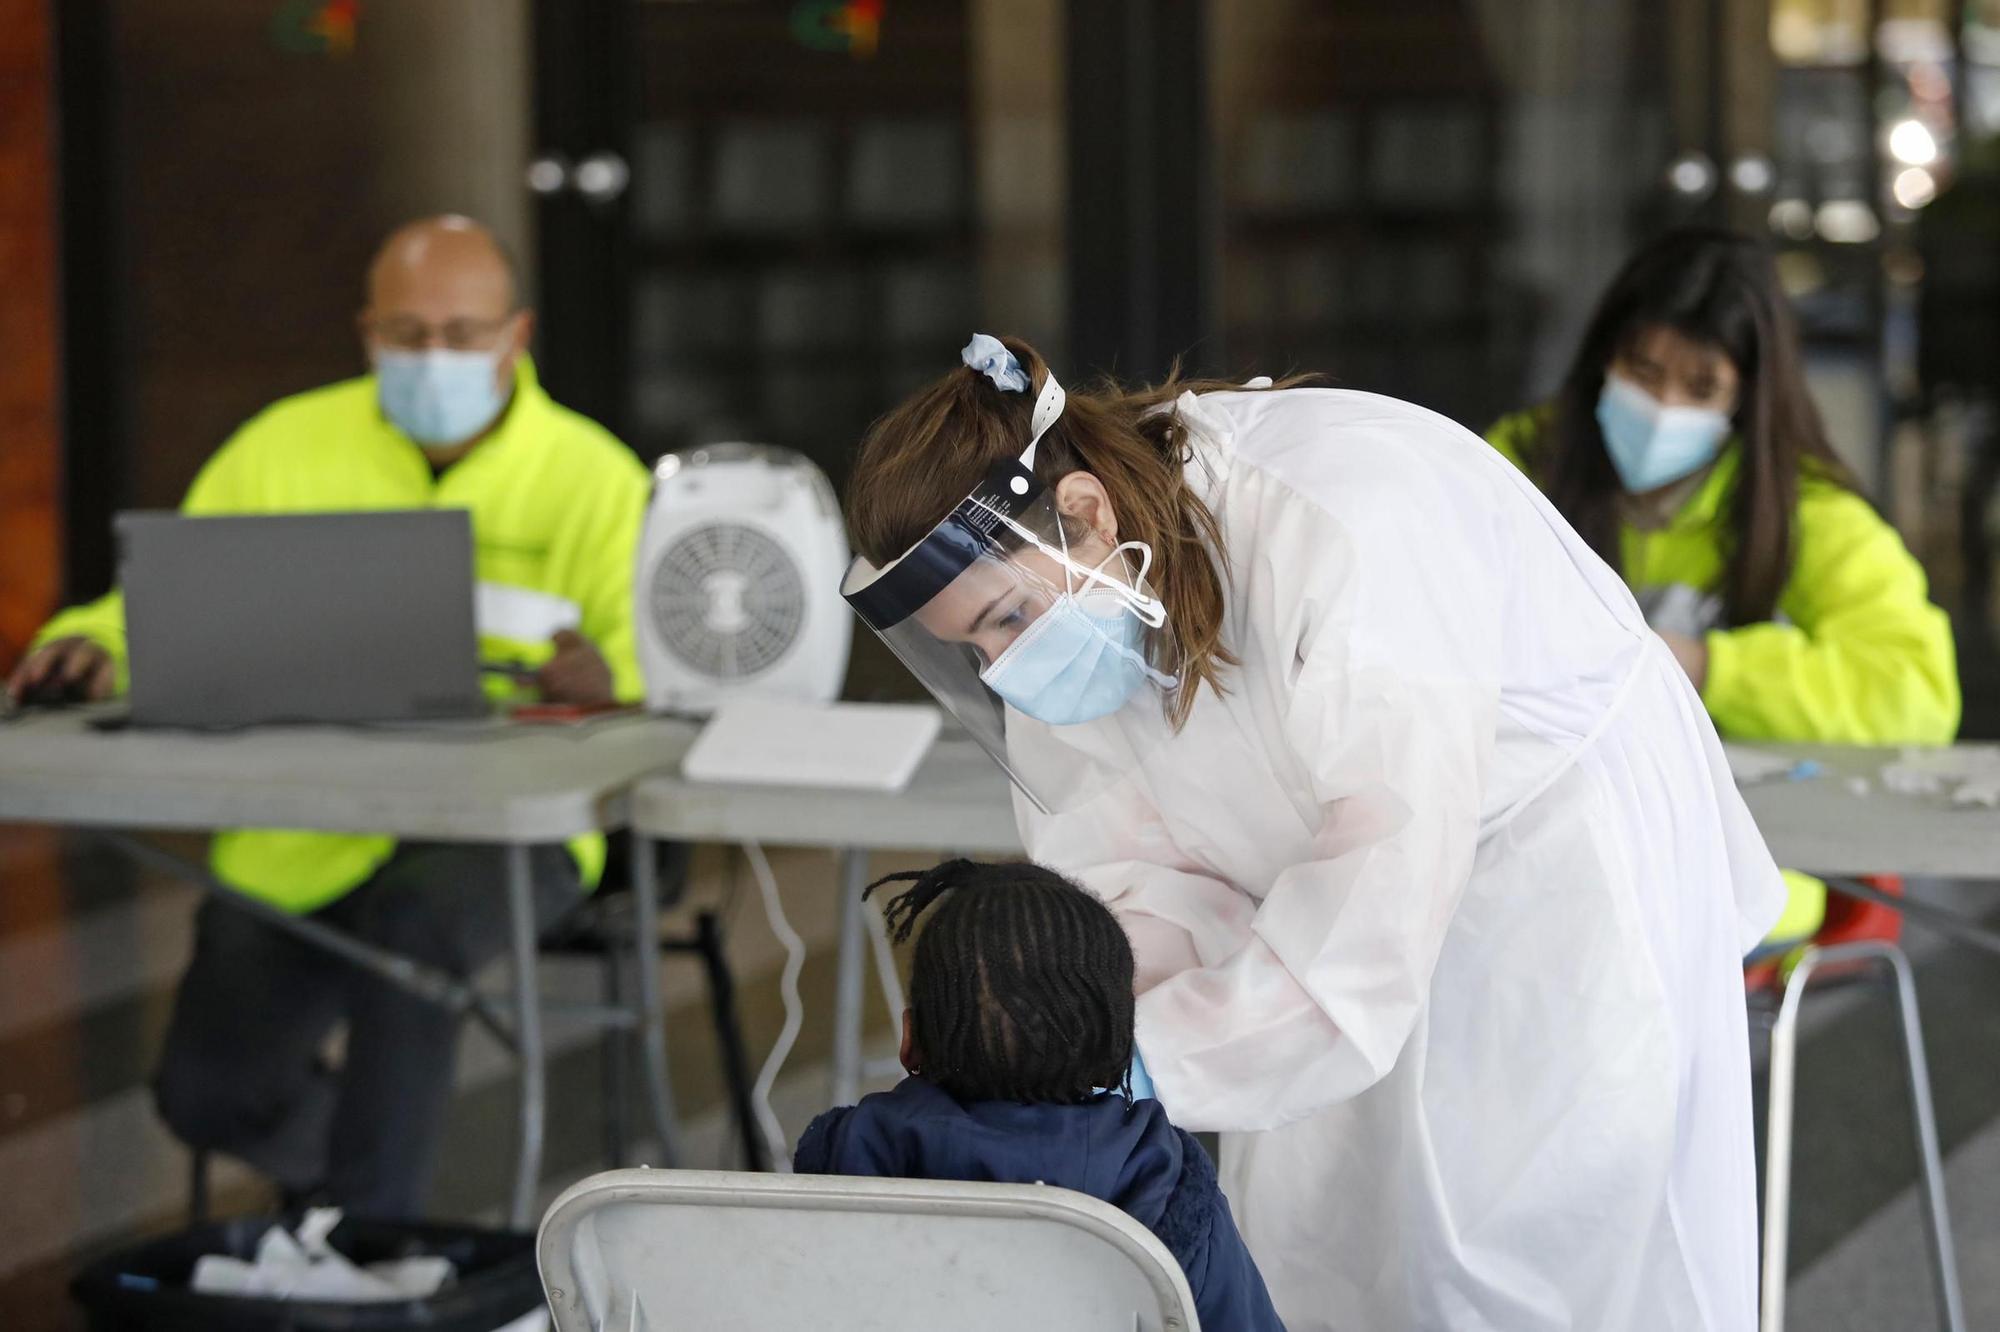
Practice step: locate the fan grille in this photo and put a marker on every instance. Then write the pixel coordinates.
(727, 601)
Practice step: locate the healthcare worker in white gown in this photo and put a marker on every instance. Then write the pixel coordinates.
(1438, 892)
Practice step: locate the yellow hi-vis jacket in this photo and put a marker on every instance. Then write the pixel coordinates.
(556, 503)
(1860, 657)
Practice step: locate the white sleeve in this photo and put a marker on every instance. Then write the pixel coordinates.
(1177, 917)
(1392, 716)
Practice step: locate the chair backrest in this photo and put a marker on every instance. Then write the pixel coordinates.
(648, 1250)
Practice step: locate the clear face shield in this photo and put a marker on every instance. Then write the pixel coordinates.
(1040, 637)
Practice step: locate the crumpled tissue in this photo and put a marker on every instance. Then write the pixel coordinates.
(304, 1266)
(1969, 776)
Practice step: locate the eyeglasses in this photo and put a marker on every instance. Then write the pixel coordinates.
(403, 334)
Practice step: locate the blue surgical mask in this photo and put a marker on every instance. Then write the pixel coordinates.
(1651, 444)
(440, 397)
(1082, 659)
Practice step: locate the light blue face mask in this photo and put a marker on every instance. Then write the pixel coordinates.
(440, 397)
(1082, 659)
(1653, 445)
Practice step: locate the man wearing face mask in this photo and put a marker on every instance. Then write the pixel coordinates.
(451, 416)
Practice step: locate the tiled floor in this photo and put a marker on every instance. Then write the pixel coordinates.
(1878, 1275)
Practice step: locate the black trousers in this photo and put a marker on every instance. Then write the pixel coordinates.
(242, 1071)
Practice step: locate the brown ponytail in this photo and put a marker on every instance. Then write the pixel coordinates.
(926, 454)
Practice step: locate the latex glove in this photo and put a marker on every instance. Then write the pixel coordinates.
(1142, 1081)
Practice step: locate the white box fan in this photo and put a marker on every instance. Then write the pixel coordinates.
(737, 592)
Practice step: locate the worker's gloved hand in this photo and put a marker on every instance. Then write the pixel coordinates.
(64, 670)
(577, 674)
(1142, 1082)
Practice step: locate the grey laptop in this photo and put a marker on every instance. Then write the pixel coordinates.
(321, 617)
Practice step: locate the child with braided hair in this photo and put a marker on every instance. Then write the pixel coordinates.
(1018, 1042)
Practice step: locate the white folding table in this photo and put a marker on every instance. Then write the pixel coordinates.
(489, 782)
(959, 802)
(1825, 826)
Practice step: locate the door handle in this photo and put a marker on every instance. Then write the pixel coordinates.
(547, 175)
(601, 177)
(1692, 175)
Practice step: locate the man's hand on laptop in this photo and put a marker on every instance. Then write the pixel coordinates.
(65, 670)
(577, 674)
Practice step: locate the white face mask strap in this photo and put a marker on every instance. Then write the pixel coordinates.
(1069, 567)
(1148, 609)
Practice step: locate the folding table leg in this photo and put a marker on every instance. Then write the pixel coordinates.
(198, 1187)
(849, 979)
(614, 1048)
(528, 1032)
(652, 1008)
(729, 1040)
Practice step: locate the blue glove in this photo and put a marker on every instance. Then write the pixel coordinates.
(1142, 1082)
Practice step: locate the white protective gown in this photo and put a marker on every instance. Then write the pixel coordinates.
(1439, 912)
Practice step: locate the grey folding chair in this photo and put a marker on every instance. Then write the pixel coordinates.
(648, 1250)
(1778, 1133)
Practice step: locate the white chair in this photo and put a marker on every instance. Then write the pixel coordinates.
(1778, 1133)
(649, 1250)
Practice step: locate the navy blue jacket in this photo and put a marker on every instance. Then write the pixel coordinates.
(1123, 1153)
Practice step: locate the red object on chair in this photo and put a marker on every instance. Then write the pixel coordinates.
(1853, 919)
(1848, 920)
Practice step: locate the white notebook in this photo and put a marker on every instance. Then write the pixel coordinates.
(769, 742)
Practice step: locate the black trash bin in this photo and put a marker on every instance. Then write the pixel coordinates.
(145, 1289)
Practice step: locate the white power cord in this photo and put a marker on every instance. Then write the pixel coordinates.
(885, 967)
(788, 988)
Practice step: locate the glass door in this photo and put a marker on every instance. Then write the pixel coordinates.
(766, 220)
(1424, 197)
(793, 210)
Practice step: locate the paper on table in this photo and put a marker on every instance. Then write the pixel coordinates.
(522, 614)
(1979, 791)
(1970, 776)
(1676, 608)
(1755, 765)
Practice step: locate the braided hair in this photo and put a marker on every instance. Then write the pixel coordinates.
(1021, 989)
